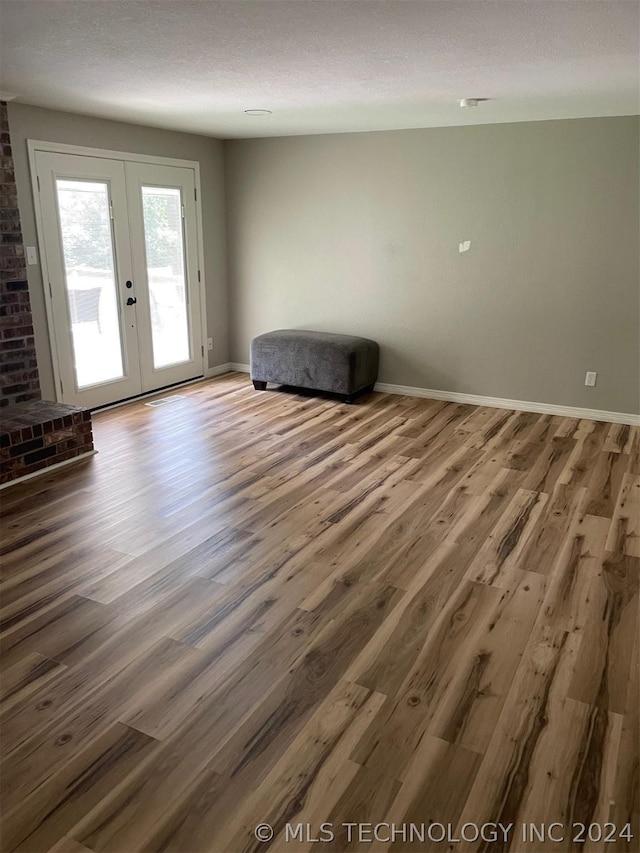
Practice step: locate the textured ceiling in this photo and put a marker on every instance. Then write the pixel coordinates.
(322, 65)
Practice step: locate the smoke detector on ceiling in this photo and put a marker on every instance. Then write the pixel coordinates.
(469, 102)
(258, 112)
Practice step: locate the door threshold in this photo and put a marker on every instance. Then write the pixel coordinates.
(146, 395)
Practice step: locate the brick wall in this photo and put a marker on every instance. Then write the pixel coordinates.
(18, 365)
(36, 435)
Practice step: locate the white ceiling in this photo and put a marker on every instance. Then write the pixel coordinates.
(322, 65)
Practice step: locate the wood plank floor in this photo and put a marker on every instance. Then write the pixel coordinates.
(261, 607)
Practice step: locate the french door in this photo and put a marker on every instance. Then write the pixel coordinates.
(121, 263)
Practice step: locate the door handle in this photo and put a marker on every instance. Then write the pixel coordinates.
(131, 300)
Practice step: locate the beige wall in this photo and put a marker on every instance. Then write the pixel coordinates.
(359, 233)
(51, 126)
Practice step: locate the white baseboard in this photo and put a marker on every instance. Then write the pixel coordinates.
(226, 368)
(518, 405)
(217, 370)
(477, 400)
(48, 470)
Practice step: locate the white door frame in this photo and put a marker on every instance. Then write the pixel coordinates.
(33, 146)
(110, 174)
(139, 175)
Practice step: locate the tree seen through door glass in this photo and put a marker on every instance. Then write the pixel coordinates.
(85, 226)
(162, 213)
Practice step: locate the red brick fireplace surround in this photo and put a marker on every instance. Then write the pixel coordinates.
(18, 365)
(34, 434)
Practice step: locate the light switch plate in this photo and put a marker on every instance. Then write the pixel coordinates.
(32, 256)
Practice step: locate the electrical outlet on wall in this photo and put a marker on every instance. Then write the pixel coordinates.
(590, 378)
(209, 344)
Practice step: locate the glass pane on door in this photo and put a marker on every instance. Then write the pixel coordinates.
(92, 296)
(164, 244)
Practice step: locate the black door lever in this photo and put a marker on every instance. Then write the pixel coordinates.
(131, 300)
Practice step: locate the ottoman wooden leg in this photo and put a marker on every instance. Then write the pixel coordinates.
(258, 385)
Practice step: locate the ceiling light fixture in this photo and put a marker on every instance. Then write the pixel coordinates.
(469, 102)
(258, 112)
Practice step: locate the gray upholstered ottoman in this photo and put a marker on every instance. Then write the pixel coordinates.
(342, 364)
